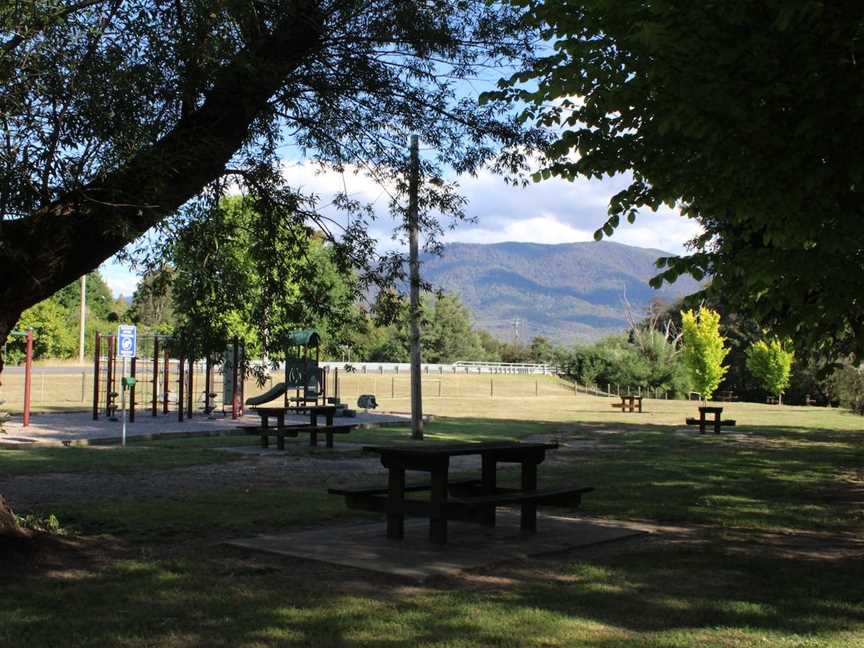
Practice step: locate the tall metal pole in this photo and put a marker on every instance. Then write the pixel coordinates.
(82, 316)
(414, 265)
(123, 402)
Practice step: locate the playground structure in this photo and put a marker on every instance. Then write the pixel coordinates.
(302, 374)
(164, 383)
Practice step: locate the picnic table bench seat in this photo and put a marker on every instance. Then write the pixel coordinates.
(294, 431)
(409, 488)
(692, 420)
(551, 497)
(463, 508)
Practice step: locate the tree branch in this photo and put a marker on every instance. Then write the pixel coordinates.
(86, 226)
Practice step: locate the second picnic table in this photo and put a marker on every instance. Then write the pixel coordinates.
(629, 403)
(715, 413)
(466, 500)
(278, 413)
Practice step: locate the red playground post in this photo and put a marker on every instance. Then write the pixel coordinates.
(28, 377)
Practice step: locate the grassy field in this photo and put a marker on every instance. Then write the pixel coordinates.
(761, 548)
(72, 389)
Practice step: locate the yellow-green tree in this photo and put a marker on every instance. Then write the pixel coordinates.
(704, 350)
(771, 364)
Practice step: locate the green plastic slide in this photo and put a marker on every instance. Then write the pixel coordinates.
(274, 392)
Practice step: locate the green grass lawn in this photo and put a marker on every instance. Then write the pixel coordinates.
(136, 457)
(723, 585)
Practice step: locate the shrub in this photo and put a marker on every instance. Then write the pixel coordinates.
(771, 364)
(847, 383)
(704, 350)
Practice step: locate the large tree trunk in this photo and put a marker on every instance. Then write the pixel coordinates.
(8, 522)
(54, 246)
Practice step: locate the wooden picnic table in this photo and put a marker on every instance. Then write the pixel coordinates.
(278, 413)
(467, 500)
(629, 403)
(715, 413)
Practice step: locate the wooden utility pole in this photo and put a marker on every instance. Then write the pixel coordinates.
(82, 316)
(414, 265)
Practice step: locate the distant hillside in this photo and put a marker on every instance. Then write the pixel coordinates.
(566, 292)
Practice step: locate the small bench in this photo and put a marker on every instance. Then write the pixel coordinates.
(724, 422)
(295, 430)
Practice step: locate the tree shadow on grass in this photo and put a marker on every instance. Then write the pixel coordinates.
(653, 596)
(768, 478)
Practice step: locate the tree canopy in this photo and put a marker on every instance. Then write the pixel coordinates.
(240, 273)
(115, 113)
(746, 115)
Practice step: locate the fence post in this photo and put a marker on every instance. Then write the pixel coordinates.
(393, 386)
(491, 388)
(536, 388)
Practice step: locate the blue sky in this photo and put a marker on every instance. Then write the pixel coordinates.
(552, 211)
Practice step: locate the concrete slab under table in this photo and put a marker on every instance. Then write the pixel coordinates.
(363, 546)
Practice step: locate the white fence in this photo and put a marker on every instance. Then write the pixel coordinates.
(455, 368)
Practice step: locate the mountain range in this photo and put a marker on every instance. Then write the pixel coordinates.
(566, 292)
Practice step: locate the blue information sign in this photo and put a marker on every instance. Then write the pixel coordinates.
(127, 341)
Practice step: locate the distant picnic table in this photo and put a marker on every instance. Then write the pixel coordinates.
(280, 431)
(629, 403)
(473, 500)
(715, 412)
(727, 396)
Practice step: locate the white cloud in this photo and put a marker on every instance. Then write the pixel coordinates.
(665, 230)
(552, 211)
(120, 279)
(540, 229)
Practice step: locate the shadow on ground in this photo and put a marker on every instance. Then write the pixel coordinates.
(668, 594)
